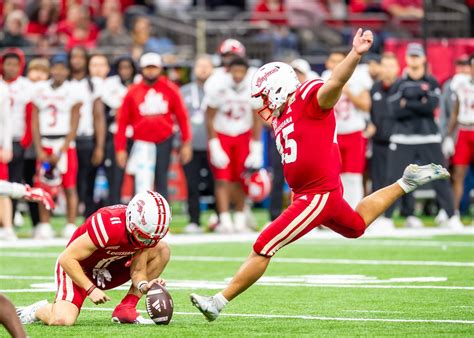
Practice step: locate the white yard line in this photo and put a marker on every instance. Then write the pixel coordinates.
(185, 239)
(278, 260)
(308, 317)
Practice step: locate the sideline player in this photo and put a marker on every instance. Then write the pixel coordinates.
(234, 140)
(305, 128)
(8, 317)
(114, 245)
(462, 118)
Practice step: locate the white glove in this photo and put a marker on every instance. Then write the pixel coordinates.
(255, 158)
(448, 147)
(101, 276)
(219, 158)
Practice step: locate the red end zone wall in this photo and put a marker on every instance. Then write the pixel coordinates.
(441, 54)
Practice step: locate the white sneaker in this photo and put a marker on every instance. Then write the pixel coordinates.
(207, 306)
(69, 230)
(414, 222)
(193, 228)
(213, 222)
(250, 220)
(43, 231)
(382, 225)
(27, 314)
(18, 219)
(415, 176)
(442, 217)
(139, 320)
(240, 222)
(453, 223)
(8, 234)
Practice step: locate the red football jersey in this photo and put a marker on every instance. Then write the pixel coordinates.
(306, 139)
(106, 228)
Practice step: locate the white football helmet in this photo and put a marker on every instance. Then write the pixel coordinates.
(231, 46)
(274, 81)
(148, 218)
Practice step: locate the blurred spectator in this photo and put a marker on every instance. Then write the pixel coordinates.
(416, 137)
(462, 119)
(37, 71)
(365, 6)
(55, 117)
(143, 42)
(90, 139)
(351, 116)
(151, 106)
(373, 66)
(303, 70)
(235, 146)
(115, 34)
(197, 171)
(270, 16)
(383, 120)
(404, 9)
(19, 95)
(108, 8)
(77, 28)
(462, 69)
(113, 91)
(14, 30)
(8, 6)
(6, 154)
(43, 18)
(99, 66)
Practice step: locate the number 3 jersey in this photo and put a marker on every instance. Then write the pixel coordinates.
(54, 107)
(106, 228)
(306, 139)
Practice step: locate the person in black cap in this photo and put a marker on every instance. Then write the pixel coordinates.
(416, 137)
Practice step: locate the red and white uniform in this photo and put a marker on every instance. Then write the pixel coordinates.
(307, 142)
(464, 150)
(89, 90)
(19, 92)
(54, 109)
(351, 122)
(233, 121)
(5, 128)
(151, 111)
(109, 266)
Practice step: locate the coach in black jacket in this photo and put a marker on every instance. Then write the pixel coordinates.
(416, 137)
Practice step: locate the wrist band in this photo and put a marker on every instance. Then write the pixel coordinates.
(89, 290)
(140, 285)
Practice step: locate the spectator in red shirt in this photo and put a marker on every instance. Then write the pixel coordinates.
(272, 11)
(77, 29)
(151, 107)
(42, 19)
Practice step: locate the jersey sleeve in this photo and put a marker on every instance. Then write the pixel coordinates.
(101, 230)
(308, 93)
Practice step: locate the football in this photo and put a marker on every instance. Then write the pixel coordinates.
(159, 305)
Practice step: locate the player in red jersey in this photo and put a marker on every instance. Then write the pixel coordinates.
(114, 245)
(305, 131)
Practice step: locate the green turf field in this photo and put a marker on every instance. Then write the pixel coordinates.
(331, 287)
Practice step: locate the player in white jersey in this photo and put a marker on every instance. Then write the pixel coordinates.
(351, 116)
(462, 119)
(5, 157)
(234, 138)
(19, 97)
(91, 133)
(55, 117)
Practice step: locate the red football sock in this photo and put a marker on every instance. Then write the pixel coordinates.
(130, 300)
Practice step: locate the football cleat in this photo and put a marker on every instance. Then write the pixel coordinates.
(128, 314)
(27, 314)
(207, 306)
(415, 176)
